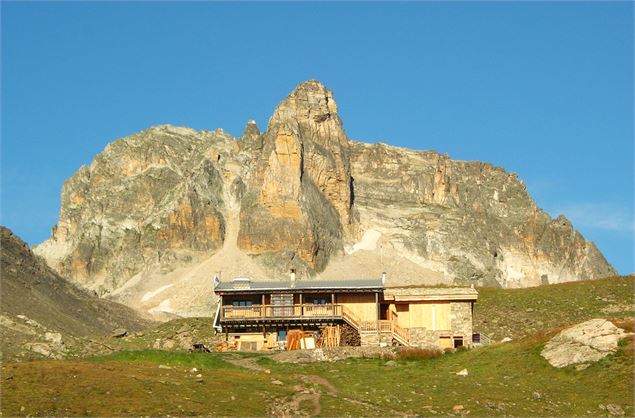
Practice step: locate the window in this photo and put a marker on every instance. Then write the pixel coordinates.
(318, 301)
(242, 303)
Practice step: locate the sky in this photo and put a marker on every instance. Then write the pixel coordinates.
(542, 89)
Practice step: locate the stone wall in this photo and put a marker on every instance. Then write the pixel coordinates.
(369, 339)
(461, 324)
(461, 320)
(423, 337)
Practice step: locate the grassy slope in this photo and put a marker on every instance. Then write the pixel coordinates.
(516, 313)
(504, 379)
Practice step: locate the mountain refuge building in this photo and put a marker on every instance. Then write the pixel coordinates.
(257, 315)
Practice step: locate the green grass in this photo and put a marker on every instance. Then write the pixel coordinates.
(515, 313)
(503, 379)
(168, 358)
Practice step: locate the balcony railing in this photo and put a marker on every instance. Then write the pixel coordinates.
(281, 311)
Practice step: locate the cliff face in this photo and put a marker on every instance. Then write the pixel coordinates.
(474, 222)
(141, 200)
(302, 195)
(298, 201)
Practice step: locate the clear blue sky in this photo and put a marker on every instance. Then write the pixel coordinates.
(542, 89)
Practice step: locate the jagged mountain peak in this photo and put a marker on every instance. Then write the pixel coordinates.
(309, 103)
(251, 130)
(300, 195)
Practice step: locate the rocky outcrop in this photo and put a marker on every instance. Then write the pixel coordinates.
(584, 343)
(172, 202)
(142, 202)
(299, 201)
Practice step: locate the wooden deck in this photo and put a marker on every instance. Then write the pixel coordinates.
(281, 312)
(312, 314)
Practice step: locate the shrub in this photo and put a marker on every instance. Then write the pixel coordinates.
(419, 353)
(627, 325)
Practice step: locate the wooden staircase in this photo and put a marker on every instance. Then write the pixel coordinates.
(397, 332)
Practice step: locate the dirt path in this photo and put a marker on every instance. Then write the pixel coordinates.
(306, 392)
(309, 390)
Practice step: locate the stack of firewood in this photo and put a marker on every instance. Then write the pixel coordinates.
(223, 346)
(329, 337)
(349, 336)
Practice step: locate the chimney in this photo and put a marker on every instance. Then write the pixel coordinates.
(293, 275)
(383, 277)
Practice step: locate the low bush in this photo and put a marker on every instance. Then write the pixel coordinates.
(419, 353)
(627, 325)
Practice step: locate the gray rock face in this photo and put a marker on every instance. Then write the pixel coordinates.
(473, 221)
(587, 342)
(298, 195)
(141, 202)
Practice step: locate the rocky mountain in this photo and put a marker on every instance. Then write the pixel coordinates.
(157, 214)
(40, 311)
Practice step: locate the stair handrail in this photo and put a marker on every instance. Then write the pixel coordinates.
(350, 317)
(400, 332)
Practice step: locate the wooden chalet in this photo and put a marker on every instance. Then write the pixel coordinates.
(255, 313)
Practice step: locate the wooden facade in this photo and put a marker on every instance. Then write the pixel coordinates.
(256, 312)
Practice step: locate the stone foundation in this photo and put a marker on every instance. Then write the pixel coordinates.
(369, 339)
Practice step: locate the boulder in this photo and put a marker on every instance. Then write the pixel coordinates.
(119, 333)
(583, 343)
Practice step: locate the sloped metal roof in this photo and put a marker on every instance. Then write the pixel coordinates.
(243, 286)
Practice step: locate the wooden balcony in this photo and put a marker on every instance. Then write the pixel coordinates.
(281, 312)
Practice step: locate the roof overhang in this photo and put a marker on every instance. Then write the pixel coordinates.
(429, 298)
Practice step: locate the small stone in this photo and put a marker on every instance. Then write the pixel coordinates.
(529, 310)
(54, 337)
(199, 375)
(462, 373)
(536, 395)
(267, 371)
(614, 409)
(457, 408)
(506, 340)
(163, 366)
(391, 363)
(276, 382)
(22, 408)
(194, 370)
